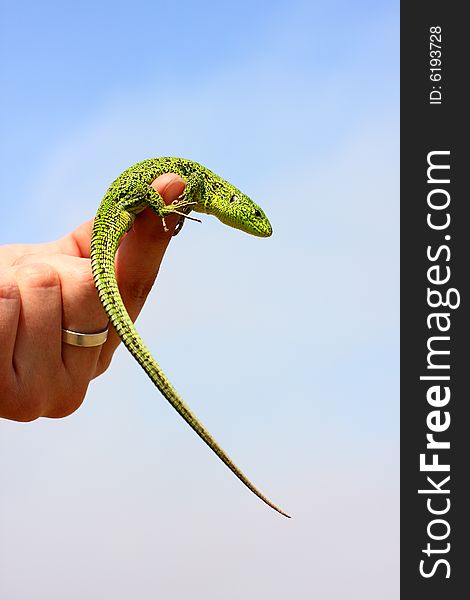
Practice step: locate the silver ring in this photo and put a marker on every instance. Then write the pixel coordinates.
(84, 340)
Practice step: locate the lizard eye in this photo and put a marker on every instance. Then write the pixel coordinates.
(234, 198)
(257, 213)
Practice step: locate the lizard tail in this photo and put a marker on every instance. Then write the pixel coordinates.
(106, 235)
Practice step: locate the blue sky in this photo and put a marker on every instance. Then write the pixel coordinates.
(286, 348)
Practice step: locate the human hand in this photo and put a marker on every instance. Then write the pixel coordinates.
(47, 287)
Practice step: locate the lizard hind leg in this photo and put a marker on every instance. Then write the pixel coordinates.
(191, 196)
(155, 201)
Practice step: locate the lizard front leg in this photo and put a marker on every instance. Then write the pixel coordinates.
(179, 206)
(192, 195)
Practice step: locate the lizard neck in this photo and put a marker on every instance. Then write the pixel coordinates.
(212, 187)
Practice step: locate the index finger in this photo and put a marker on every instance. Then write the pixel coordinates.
(140, 255)
(77, 242)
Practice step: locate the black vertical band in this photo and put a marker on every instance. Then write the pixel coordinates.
(435, 316)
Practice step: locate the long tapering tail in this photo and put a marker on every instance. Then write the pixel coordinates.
(108, 230)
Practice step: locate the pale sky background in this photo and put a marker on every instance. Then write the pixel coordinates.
(286, 348)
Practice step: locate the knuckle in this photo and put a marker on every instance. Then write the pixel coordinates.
(28, 412)
(38, 275)
(25, 398)
(6, 393)
(83, 277)
(9, 289)
(21, 405)
(31, 399)
(88, 283)
(139, 290)
(25, 258)
(66, 401)
(56, 401)
(102, 365)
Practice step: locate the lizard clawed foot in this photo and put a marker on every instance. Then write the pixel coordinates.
(179, 226)
(181, 202)
(177, 212)
(178, 207)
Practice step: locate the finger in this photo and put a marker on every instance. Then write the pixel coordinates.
(81, 311)
(142, 250)
(37, 351)
(10, 302)
(77, 243)
(12, 252)
(84, 313)
(140, 255)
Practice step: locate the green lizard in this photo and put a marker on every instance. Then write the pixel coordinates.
(128, 195)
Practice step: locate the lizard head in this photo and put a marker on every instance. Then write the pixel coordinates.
(234, 208)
